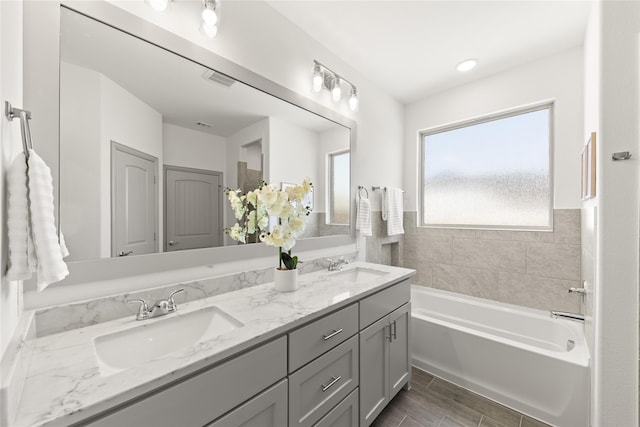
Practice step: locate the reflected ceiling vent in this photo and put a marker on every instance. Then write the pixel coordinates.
(216, 77)
(204, 125)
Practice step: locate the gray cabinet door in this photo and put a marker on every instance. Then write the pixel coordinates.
(374, 370)
(399, 352)
(268, 409)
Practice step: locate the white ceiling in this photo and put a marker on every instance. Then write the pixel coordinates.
(410, 48)
(172, 85)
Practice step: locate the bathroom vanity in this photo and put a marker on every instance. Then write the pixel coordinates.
(332, 353)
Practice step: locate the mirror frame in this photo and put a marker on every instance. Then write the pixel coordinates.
(41, 97)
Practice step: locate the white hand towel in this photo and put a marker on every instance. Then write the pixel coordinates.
(392, 210)
(22, 261)
(49, 253)
(363, 217)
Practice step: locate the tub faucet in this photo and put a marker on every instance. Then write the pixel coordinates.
(336, 265)
(160, 308)
(567, 315)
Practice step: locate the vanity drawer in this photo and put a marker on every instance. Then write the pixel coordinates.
(206, 396)
(323, 383)
(268, 409)
(344, 415)
(309, 342)
(384, 302)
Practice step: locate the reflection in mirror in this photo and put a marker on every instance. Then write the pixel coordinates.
(149, 139)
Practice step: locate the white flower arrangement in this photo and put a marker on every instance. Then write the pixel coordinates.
(252, 210)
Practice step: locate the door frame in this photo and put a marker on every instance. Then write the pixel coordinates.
(116, 146)
(220, 175)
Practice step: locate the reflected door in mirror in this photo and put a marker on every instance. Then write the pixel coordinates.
(134, 202)
(193, 218)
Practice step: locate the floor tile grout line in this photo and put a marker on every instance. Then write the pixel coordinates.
(481, 418)
(402, 420)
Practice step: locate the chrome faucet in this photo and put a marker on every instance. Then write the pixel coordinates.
(567, 315)
(159, 308)
(337, 265)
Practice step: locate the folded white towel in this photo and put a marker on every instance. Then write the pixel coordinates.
(22, 261)
(363, 217)
(392, 210)
(49, 253)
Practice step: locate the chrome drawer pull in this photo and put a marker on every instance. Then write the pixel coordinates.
(332, 334)
(333, 381)
(395, 329)
(390, 336)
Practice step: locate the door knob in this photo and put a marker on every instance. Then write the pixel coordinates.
(172, 243)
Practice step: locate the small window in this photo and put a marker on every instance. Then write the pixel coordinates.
(339, 188)
(493, 172)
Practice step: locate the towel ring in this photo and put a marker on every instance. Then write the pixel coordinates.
(360, 188)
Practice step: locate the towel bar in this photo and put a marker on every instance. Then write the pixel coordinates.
(11, 113)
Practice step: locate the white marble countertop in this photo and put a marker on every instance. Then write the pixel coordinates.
(65, 384)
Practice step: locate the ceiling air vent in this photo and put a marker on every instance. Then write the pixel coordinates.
(204, 125)
(216, 77)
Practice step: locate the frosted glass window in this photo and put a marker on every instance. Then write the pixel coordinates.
(490, 173)
(339, 188)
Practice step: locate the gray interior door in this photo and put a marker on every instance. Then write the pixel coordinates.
(133, 202)
(193, 216)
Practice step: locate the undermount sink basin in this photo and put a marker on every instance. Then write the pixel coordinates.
(357, 274)
(154, 338)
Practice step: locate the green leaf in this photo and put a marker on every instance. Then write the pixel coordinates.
(290, 262)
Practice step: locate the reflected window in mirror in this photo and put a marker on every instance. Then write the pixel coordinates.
(339, 187)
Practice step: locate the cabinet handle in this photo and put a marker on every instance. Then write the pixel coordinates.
(389, 337)
(332, 334)
(395, 329)
(333, 381)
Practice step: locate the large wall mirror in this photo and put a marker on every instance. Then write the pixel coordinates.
(149, 139)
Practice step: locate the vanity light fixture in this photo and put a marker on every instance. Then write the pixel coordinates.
(336, 90)
(467, 65)
(210, 18)
(158, 5)
(318, 79)
(353, 99)
(324, 78)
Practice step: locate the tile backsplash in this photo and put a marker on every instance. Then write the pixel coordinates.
(528, 268)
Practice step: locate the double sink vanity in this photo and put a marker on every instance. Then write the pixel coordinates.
(332, 353)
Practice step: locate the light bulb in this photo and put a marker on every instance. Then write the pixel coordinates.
(159, 5)
(317, 78)
(209, 16)
(353, 100)
(467, 65)
(209, 30)
(336, 92)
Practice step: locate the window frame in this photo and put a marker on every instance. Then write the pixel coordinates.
(548, 104)
(330, 175)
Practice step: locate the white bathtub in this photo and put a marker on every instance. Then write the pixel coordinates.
(514, 355)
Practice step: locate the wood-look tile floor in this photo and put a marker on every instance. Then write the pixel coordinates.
(434, 402)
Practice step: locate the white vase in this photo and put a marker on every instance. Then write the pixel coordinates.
(285, 280)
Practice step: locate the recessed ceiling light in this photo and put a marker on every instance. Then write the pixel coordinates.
(467, 65)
